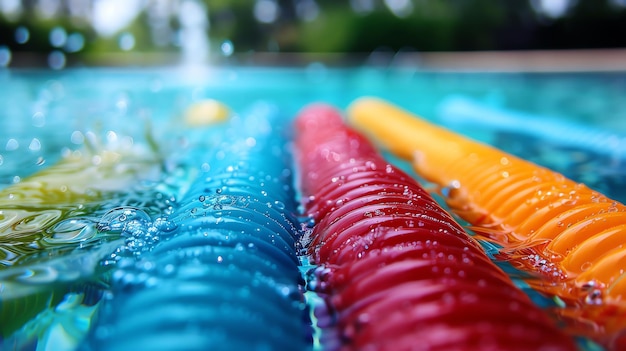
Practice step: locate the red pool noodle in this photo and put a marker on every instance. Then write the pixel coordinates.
(400, 273)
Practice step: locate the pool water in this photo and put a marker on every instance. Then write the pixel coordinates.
(89, 155)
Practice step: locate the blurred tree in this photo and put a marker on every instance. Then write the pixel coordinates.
(590, 24)
(343, 26)
(234, 20)
(429, 26)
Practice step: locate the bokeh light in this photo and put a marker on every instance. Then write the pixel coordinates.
(88, 31)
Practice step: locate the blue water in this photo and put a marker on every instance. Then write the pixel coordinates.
(72, 280)
(49, 106)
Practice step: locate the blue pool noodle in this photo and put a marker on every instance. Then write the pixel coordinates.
(228, 277)
(463, 111)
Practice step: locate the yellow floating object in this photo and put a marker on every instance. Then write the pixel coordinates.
(28, 208)
(206, 112)
(547, 224)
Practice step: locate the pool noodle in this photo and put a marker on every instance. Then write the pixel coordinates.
(526, 208)
(394, 266)
(233, 280)
(463, 111)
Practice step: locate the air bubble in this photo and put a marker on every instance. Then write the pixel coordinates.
(164, 225)
(39, 119)
(115, 220)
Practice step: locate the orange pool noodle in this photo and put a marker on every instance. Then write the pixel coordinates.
(573, 236)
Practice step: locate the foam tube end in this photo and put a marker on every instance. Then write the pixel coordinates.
(318, 117)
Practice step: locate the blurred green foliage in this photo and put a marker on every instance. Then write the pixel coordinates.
(336, 26)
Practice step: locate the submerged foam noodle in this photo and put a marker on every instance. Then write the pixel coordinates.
(546, 223)
(206, 113)
(40, 201)
(29, 211)
(394, 265)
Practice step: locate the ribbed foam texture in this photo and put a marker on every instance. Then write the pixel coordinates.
(396, 269)
(227, 278)
(572, 237)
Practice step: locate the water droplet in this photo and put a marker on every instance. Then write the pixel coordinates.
(168, 269)
(12, 144)
(585, 266)
(115, 220)
(594, 297)
(35, 145)
(39, 119)
(164, 225)
(279, 205)
(201, 198)
(77, 137)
